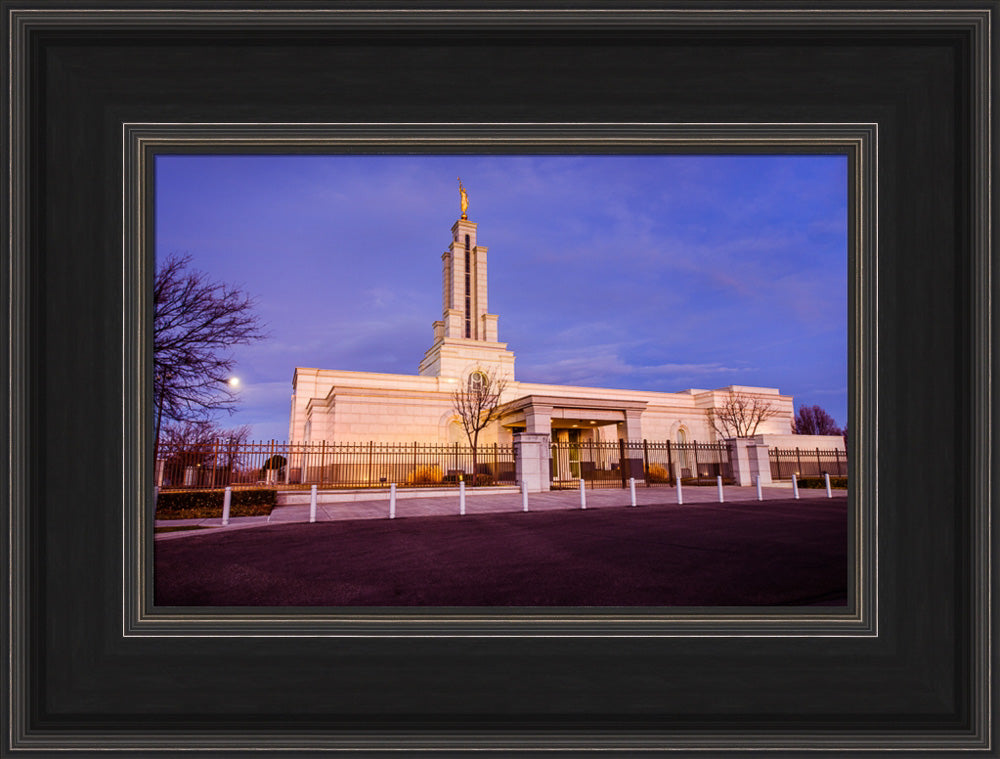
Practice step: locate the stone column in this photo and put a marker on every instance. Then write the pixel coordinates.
(633, 425)
(740, 461)
(750, 459)
(760, 462)
(532, 452)
(538, 420)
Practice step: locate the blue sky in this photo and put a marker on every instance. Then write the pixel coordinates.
(645, 272)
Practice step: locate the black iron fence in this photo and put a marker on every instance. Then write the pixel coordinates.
(612, 464)
(343, 465)
(807, 462)
(360, 465)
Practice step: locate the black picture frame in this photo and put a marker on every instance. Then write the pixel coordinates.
(83, 678)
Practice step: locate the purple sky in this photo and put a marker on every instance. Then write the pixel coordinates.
(645, 272)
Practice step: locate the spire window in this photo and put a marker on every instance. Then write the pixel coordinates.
(468, 289)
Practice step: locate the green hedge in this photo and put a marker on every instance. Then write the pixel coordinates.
(207, 504)
(819, 482)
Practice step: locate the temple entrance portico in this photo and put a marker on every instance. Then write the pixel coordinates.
(557, 416)
(546, 419)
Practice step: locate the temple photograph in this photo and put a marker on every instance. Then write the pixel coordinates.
(403, 337)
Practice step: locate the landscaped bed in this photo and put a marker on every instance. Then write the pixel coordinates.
(207, 504)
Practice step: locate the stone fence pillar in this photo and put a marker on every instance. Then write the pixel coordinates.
(749, 460)
(760, 462)
(532, 451)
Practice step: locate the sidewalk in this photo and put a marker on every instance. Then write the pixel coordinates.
(486, 503)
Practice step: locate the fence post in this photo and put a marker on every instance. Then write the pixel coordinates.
(312, 504)
(760, 493)
(496, 465)
(583, 493)
(322, 462)
(718, 484)
(819, 462)
(371, 455)
(621, 459)
(631, 487)
(461, 497)
(670, 460)
(227, 500)
(392, 501)
(829, 493)
(836, 453)
(645, 454)
(795, 486)
(798, 460)
(524, 494)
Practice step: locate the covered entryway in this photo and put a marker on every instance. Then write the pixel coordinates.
(576, 428)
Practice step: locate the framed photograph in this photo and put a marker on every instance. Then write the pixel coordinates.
(107, 103)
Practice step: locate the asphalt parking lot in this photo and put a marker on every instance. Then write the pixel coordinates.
(742, 552)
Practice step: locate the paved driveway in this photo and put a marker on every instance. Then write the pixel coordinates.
(739, 553)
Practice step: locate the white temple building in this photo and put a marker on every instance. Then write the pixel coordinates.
(336, 406)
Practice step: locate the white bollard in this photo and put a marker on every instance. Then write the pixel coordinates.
(461, 498)
(680, 493)
(795, 486)
(312, 504)
(829, 493)
(524, 494)
(760, 493)
(227, 499)
(583, 493)
(718, 484)
(631, 487)
(392, 500)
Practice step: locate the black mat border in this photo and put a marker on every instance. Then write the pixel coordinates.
(857, 142)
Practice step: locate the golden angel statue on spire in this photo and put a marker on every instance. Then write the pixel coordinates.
(465, 198)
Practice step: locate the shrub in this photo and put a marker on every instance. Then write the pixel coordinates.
(657, 473)
(819, 482)
(274, 463)
(425, 475)
(703, 482)
(207, 504)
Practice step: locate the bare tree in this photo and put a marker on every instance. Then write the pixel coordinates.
(195, 323)
(476, 404)
(813, 420)
(741, 414)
